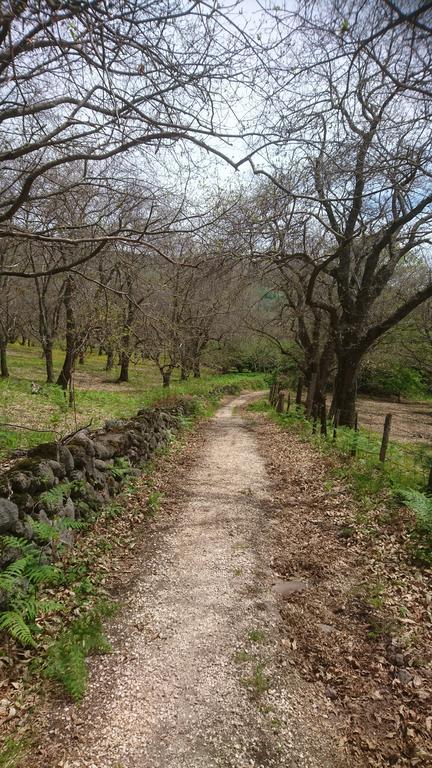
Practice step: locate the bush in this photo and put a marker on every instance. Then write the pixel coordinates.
(399, 381)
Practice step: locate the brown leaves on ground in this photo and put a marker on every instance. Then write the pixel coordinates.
(363, 626)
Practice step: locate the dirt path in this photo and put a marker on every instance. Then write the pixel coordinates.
(198, 677)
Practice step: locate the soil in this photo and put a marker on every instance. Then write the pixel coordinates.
(200, 673)
(265, 622)
(411, 422)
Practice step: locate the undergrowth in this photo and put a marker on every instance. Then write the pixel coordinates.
(400, 480)
(66, 658)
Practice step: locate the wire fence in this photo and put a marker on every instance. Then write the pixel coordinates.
(411, 462)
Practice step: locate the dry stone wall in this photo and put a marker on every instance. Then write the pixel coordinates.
(73, 479)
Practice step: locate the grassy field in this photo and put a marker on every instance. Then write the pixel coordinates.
(27, 419)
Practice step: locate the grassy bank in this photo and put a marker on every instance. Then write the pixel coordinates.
(400, 480)
(28, 418)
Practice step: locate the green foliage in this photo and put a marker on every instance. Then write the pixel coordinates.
(66, 660)
(20, 581)
(154, 502)
(395, 381)
(421, 505)
(120, 468)
(53, 499)
(11, 753)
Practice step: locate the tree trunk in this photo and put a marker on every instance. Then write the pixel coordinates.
(166, 378)
(4, 371)
(49, 365)
(124, 366)
(81, 358)
(345, 389)
(110, 360)
(196, 369)
(69, 361)
(184, 373)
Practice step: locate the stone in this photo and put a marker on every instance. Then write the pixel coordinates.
(285, 588)
(8, 516)
(68, 509)
(66, 459)
(43, 517)
(101, 465)
(103, 450)
(45, 451)
(24, 530)
(57, 468)
(83, 441)
(20, 481)
(24, 502)
(404, 676)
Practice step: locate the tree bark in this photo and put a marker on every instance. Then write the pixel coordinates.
(345, 389)
(110, 360)
(71, 351)
(166, 378)
(197, 369)
(49, 365)
(4, 371)
(124, 363)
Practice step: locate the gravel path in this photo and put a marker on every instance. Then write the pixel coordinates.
(198, 676)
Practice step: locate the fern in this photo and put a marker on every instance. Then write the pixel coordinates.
(53, 499)
(44, 532)
(421, 505)
(66, 657)
(15, 625)
(120, 469)
(12, 573)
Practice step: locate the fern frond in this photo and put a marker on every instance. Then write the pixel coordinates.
(42, 574)
(14, 624)
(14, 571)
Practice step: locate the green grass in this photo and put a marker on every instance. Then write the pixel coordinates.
(45, 416)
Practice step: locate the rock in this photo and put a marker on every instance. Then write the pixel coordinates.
(24, 530)
(404, 676)
(68, 509)
(331, 693)
(285, 588)
(24, 502)
(8, 516)
(101, 465)
(78, 476)
(83, 441)
(399, 660)
(103, 450)
(66, 459)
(45, 451)
(57, 468)
(43, 517)
(20, 481)
(82, 458)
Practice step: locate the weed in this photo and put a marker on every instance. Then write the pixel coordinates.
(258, 682)
(11, 752)
(66, 658)
(256, 636)
(154, 502)
(241, 657)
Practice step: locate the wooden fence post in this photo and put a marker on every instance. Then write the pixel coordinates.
(314, 419)
(385, 437)
(429, 485)
(355, 437)
(336, 424)
(271, 393)
(299, 391)
(324, 419)
(280, 402)
(311, 395)
(288, 402)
